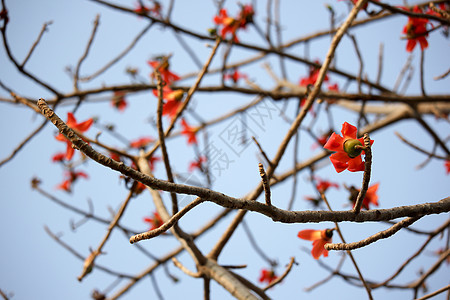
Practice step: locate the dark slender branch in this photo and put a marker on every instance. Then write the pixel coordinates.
(44, 28)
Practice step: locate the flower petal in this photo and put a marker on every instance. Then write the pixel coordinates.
(335, 143)
(349, 131)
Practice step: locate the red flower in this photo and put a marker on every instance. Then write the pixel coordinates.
(79, 127)
(152, 161)
(71, 177)
(173, 98)
(447, 166)
(267, 275)
(163, 67)
(323, 185)
(321, 140)
(141, 142)
(197, 164)
(230, 25)
(118, 100)
(235, 76)
(115, 156)
(312, 76)
(189, 132)
(154, 222)
(370, 198)
(346, 147)
(58, 157)
(319, 238)
(416, 31)
(333, 87)
(143, 10)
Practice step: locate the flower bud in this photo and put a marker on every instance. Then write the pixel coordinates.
(351, 149)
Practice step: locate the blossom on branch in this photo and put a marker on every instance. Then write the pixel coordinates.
(348, 149)
(312, 76)
(71, 177)
(371, 197)
(235, 76)
(267, 276)
(170, 108)
(162, 65)
(230, 25)
(141, 142)
(323, 185)
(416, 31)
(447, 166)
(319, 239)
(198, 164)
(189, 132)
(77, 127)
(155, 221)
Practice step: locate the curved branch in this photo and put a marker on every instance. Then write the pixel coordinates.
(372, 239)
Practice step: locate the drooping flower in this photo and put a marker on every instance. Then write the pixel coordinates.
(71, 177)
(189, 132)
(154, 221)
(348, 153)
(170, 107)
(319, 239)
(416, 31)
(371, 197)
(77, 127)
(162, 64)
(323, 185)
(197, 164)
(267, 276)
(141, 142)
(235, 76)
(118, 100)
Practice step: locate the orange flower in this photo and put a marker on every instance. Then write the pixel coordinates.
(163, 67)
(71, 177)
(173, 98)
(235, 76)
(370, 198)
(319, 238)
(197, 164)
(312, 76)
(189, 132)
(347, 155)
(58, 157)
(267, 275)
(154, 222)
(230, 25)
(141, 142)
(323, 185)
(78, 127)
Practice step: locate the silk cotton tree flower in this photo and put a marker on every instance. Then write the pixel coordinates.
(78, 127)
(267, 276)
(348, 149)
(319, 239)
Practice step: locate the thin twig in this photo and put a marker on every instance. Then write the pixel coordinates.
(44, 28)
(185, 270)
(435, 293)
(372, 239)
(418, 148)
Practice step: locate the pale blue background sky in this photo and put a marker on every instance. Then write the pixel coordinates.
(33, 266)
